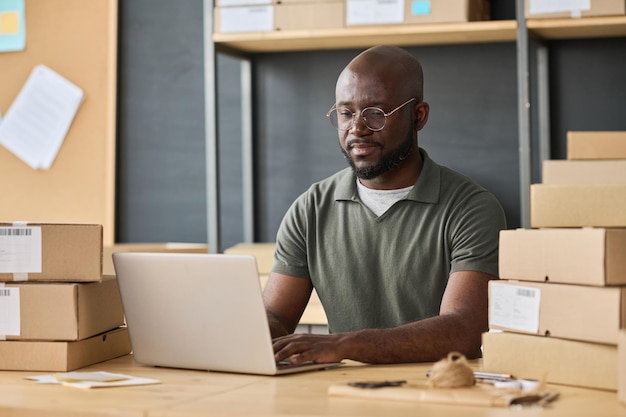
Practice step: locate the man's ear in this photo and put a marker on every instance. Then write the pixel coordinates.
(421, 115)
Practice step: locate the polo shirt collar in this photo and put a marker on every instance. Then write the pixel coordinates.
(426, 190)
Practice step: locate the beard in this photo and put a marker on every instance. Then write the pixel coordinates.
(386, 163)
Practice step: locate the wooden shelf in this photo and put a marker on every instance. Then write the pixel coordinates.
(586, 27)
(365, 36)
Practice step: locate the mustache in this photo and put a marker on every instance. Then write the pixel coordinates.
(351, 143)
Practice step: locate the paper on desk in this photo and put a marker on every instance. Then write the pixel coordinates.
(92, 379)
(484, 395)
(35, 125)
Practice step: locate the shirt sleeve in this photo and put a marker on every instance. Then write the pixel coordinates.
(476, 232)
(290, 256)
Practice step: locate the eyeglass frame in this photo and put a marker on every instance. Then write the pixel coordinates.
(360, 113)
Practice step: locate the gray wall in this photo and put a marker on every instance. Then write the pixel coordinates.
(472, 127)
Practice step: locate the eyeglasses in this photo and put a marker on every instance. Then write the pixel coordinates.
(374, 118)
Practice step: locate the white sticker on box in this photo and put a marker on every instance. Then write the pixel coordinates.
(10, 323)
(246, 19)
(558, 6)
(20, 249)
(222, 3)
(365, 12)
(514, 307)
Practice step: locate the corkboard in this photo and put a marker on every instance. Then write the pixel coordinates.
(77, 39)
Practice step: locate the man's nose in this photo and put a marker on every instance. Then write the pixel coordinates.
(358, 124)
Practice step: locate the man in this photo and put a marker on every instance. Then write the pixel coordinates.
(399, 249)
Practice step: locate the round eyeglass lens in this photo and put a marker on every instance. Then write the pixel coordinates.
(343, 118)
(373, 118)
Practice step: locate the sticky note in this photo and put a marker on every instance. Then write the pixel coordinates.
(12, 26)
(9, 22)
(420, 8)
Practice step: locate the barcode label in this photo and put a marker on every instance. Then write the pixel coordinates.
(5, 292)
(16, 232)
(514, 307)
(525, 292)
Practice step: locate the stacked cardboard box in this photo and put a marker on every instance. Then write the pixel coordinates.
(561, 302)
(238, 16)
(541, 9)
(57, 310)
(393, 12)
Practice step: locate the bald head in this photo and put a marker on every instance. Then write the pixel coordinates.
(390, 63)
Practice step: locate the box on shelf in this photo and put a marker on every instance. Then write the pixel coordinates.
(43, 356)
(577, 205)
(50, 252)
(586, 256)
(566, 311)
(541, 9)
(596, 145)
(174, 247)
(283, 16)
(385, 12)
(584, 172)
(61, 311)
(566, 362)
(230, 3)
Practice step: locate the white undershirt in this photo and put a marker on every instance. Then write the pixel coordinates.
(379, 201)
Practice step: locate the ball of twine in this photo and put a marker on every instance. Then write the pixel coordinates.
(451, 372)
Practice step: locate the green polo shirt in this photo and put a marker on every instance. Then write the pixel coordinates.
(380, 272)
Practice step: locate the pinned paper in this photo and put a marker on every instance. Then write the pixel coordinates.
(37, 122)
(92, 379)
(12, 26)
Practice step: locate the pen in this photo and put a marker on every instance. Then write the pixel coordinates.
(493, 376)
(489, 376)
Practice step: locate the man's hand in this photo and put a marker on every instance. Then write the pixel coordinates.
(303, 348)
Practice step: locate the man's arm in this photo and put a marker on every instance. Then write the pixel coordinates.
(463, 318)
(285, 299)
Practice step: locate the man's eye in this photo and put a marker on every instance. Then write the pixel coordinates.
(345, 113)
(374, 113)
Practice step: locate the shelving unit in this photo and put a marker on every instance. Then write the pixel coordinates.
(365, 36)
(522, 31)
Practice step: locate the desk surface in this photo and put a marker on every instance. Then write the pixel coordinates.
(195, 393)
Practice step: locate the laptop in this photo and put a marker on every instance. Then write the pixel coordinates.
(198, 311)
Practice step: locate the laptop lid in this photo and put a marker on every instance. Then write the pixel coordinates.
(196, 311)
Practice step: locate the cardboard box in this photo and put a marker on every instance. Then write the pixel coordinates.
(596, 145)
(566, 311)
(313, 15)
(263, 252)
(50, 252)
(283, 16)
(63, 311)
(567, 362)
(586, 256)
(63, 356)
(584, 172)
(385, 12)
(577, 205)
(621, 367)
(541, 9)
(107, 258)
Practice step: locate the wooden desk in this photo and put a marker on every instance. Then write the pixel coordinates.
(197, 393)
